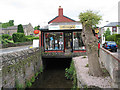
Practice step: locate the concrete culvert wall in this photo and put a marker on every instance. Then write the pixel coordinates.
(56, 62)
(112, 64)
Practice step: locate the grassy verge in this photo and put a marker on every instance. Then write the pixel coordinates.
(70, 73)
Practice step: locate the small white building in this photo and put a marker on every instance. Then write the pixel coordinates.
(114, 27)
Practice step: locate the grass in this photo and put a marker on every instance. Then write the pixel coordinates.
(84, 57)
(105, 72)
(87, 65)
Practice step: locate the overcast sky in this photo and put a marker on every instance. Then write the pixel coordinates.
(39, 12)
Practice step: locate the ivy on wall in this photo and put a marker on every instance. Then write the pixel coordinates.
(20, 68)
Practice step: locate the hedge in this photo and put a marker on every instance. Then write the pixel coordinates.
(19, 37)
(16, 44)
(117, 36)
(118, 42)
(30, 38)
(6, 36)
(110, 37)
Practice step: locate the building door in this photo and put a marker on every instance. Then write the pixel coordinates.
(68, 41)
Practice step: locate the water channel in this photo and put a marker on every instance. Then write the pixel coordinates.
(53, 75)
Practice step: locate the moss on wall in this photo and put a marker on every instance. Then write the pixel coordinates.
(24, 70)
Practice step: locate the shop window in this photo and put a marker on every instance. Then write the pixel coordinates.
(114, 29)
(77, 41)
(54, 41)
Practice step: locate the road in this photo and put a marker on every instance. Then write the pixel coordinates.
(14, 49)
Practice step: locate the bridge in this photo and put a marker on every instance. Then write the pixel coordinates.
(19, 67)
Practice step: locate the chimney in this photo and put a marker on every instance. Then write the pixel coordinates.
(60, 11)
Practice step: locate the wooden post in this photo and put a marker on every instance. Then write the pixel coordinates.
(39, 38)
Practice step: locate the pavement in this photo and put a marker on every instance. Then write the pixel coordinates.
(85, 79)
(14, 49)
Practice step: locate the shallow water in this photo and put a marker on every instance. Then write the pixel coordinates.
(53, 75)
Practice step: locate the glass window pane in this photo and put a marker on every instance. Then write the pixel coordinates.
(77, 41)
(54, 41)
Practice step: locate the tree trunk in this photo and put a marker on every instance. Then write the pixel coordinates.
(91, 44)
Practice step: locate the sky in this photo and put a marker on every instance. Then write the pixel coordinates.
(40, 12)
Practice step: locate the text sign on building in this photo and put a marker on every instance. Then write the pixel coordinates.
(67, 26)
(54, 27)
(64, 27)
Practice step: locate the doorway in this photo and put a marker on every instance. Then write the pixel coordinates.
(68, 41)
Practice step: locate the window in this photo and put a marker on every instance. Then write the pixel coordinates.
(54, 41)
(77, 41)
(114, 29)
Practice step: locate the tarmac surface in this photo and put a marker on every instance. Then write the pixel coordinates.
(14, 49)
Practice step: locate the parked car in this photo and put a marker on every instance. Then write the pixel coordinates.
(110, 45)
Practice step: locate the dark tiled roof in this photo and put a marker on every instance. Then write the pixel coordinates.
(69, 18)
(13, 27)
(52, 19)
(112, 24)
(62, 17)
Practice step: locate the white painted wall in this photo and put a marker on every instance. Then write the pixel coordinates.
(103, 39)
(36, 43)
(118, 30)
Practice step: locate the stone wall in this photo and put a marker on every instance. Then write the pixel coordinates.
(29, 30)
(19, 67)
(112, 64)
(10, 32)
(62, 54)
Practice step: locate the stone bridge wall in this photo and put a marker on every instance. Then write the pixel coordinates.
(19, 67)
(112, 64)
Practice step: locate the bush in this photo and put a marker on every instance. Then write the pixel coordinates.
(118, 42)
(6, 36)
(10, 38)
(36, 38)
(4, 42)
(110, 37)
(8, 41)
(18, 37)
(69, 72)
(117, 36)
(30, 38)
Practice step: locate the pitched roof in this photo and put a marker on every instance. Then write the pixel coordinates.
(14, 27)
(111, 24)
(61, 17)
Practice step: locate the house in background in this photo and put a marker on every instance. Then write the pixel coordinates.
(114, 27)
(28, 30)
